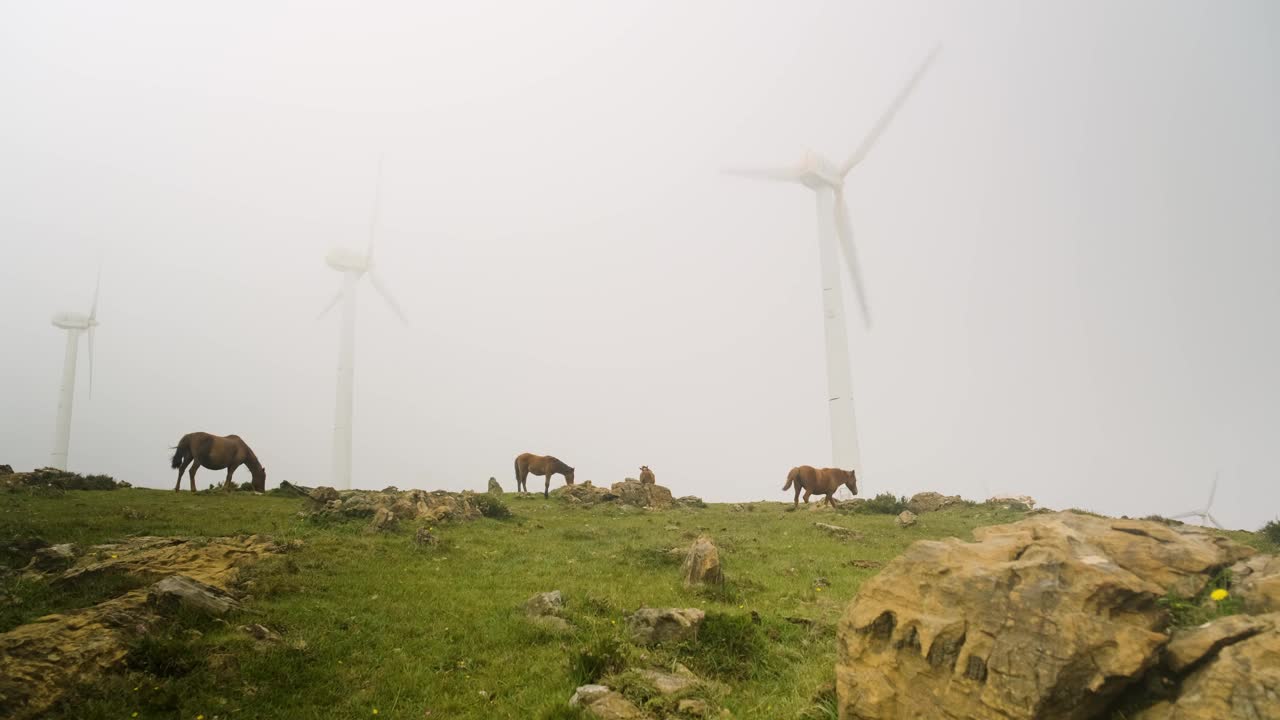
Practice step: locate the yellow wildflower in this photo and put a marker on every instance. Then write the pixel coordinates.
(375, 711)
(1218, 595)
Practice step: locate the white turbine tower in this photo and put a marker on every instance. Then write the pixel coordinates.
(1203, 514)
(74, 324)
(353, 265)
(827, 182)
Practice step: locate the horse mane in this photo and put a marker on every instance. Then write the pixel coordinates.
(560, 465)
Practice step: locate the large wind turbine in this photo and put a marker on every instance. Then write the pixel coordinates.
(74, 323)
(353, 265)
(827, 181)
(1203, 514)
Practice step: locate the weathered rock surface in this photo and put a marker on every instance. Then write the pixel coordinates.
(545, 603)
(690, 501)
(906, 519)
(324, 494)
(1257, 584)
(43, 659)
(1241, 681)
(1050, 617)
(6, 469)
(180, 591)
(931, 502)
(653, 626)
(423, 538)
(54, 557)
(702, 564)
(838, 531)
(433, 506)
(584, 493)
(384, 519)
(1191, 645)
(602, 702)
(1013, 502)
(639, 494)
(494, 487)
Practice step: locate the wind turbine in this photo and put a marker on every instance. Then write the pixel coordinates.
(75, 324)
(353, 265)
(1203, 514)
(827, 181)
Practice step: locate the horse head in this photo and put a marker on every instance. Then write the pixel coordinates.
(568, 476)
(852, 482)
(259, 479)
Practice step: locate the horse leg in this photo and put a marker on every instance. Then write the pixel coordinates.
(797, 501)
(194, 467)
(546, 489)
(178, 485)
(228, 485)
(807, 493)
(829, 501)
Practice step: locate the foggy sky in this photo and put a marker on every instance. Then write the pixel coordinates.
(1069, 238)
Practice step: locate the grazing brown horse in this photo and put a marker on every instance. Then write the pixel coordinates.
(646, 476)
(820, 482)
(544, 465)
(215, 452)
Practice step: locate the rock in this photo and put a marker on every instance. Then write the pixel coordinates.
(261, 632)
(1191, 645)
(931, 502)
(702, 564)
(738, 507)
(633, 492)
(424, 538)
(1242, 681)
(1051, 616)
(604, 703)
(494, 487)
(54, 558)
(843, 533)
(383, 520)
(906, 519)
(1256, 582)
(6, 469)
(689, 501)
(821, 582)
(694, 707)
(1013, 502)
(323, 494)
(390, 490)
(585, 493)
(545, 603)
(653, 626)
(181, 591)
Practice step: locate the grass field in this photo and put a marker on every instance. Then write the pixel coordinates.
(375, 626)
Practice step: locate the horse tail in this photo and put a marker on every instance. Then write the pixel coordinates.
(791, 477)
(517, 465)
(181, 452)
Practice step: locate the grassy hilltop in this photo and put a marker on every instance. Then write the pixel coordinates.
(372, 624)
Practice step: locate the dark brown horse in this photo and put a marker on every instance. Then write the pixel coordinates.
(544, 465)
(820, 482)
(215, 452)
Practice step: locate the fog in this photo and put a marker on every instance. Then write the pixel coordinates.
(1068, 235)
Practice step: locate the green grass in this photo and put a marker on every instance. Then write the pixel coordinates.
(371, 621)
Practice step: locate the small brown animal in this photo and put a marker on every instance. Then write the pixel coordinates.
(200, 449)
(544, 465)
(820, 482)
(646, 476)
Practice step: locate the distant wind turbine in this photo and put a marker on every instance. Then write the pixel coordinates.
(1203, 514)
(827, 182)
(353, 265)
(74, 324)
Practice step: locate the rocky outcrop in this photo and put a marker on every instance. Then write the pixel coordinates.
(1257, 584)
(600, 701)
(54, 557)
(653, 626)
(43, 659)
(384, 508)
(494, 487)
(906, 519)
(1013, 502)
(1050, 617)
(931, 502)
(702, 564)
(641, 494)
(53, 479)
(583, 493)
(181, 592)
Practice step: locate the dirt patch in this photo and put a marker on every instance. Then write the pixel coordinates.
(39, 661)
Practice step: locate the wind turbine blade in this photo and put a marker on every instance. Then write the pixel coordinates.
(91, 360)
(776, 174)
(1214, 520)
(844, 229)
(386, 295)
(329, 307)
(373, 216)
(97, 285)
(898, 101)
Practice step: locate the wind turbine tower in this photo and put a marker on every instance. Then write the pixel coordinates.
(353, 265)
(74, 324)
(835, 238)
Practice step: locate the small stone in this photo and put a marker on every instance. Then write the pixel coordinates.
(694, 707)
(181, 591)
(261, 632)
(383, 520)
(843, 533)
(323, 494)
(702, 564)
(424, 538)
(494, 487)
(653, 626)
(906, 519)
(545, 603)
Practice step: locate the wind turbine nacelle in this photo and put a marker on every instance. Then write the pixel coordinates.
(816, 172)
(345, 260)
(71, 321)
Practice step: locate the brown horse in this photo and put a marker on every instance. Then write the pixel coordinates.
(820, 482)
(215, 452)
(544, 465)
(646, 476)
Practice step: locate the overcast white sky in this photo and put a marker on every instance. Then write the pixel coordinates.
(1070, 236)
